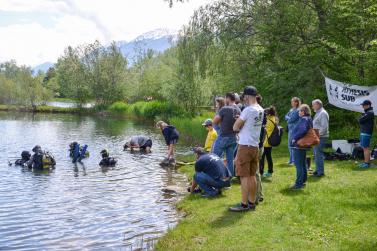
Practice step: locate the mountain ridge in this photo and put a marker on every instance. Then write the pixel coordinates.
(157, 40)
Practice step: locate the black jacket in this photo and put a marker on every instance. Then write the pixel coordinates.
(367, 121)
(170, 133)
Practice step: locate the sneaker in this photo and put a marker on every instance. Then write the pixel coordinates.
(294, 187)
(291, 163)
(364, 165)
(206, 195)
(261, 200)
(239, 208)
(165, 162)
(267, 175)
(253, 205)
(197, 190)
(314, 173)
(318, 175)
(172, 162)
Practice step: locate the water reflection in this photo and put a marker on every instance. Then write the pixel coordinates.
(83, 206)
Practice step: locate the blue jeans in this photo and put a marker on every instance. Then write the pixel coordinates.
(319, 156)
(209, 185)
(365, 140)
(227, 145)
(300, 163)
(291, 158)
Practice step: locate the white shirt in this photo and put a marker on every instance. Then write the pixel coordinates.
(250, 132)
(321, 122)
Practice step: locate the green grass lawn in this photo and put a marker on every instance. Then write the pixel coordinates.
(336, 212)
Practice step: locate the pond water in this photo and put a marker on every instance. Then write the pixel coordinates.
(84, 207)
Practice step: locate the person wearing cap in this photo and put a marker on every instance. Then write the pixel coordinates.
(227, 140)
(366, 122)
(249, 125)
(321, 123)
(143, 143)
(211, 175)
(171, 136)
(211, 136)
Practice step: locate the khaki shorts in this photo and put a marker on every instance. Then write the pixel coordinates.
(247, 161)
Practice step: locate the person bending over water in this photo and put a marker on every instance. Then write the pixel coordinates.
(171, 136)
(140, 142)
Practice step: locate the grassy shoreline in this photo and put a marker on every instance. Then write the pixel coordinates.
(42, 109)
(337, 212)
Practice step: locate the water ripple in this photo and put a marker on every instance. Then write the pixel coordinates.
(83, 207)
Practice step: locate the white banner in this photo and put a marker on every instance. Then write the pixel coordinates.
(348, 96)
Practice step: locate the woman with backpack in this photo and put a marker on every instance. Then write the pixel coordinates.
(271, 122)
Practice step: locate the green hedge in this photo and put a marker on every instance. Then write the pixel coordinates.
(148, 110)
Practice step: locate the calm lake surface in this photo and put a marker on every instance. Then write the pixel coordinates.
(84, 207)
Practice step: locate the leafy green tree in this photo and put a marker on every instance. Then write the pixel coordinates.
(72, 78)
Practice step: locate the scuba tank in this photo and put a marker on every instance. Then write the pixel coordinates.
(48, 160)
(41, 159)
(77, 152)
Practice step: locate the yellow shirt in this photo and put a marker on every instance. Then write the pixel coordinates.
(211, 137)
(269, 128)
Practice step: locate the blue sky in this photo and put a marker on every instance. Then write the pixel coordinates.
(37, 31)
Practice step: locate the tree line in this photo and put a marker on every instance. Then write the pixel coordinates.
(278, 46)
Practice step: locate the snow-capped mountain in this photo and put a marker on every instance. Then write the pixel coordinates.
(157, 34)
(157, 40)
(42, 67)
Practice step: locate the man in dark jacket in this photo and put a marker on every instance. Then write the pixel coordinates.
(211, 175)
(366, 130)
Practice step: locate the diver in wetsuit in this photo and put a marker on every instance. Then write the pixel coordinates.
(106, 159)
(25, 157)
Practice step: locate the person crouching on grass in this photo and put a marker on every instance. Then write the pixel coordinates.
(211, 136)
(211, 175)
(171, 136)
(249, 125)
(366, 129)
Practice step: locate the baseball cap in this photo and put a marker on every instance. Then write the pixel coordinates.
(207, 122)
(199, 150)
(250, 90)
(366, 102)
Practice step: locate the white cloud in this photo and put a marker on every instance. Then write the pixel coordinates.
(77, 22)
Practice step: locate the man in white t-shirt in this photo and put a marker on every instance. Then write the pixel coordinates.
(249, 126)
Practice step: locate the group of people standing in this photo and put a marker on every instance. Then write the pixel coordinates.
(240, 131)
(299, 122)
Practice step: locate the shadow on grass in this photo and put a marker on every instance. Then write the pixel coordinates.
(358, 169)
(266, 180)
(195, 197)
(289, 192)
(284, 165)
(313, 179)
(227, 219)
